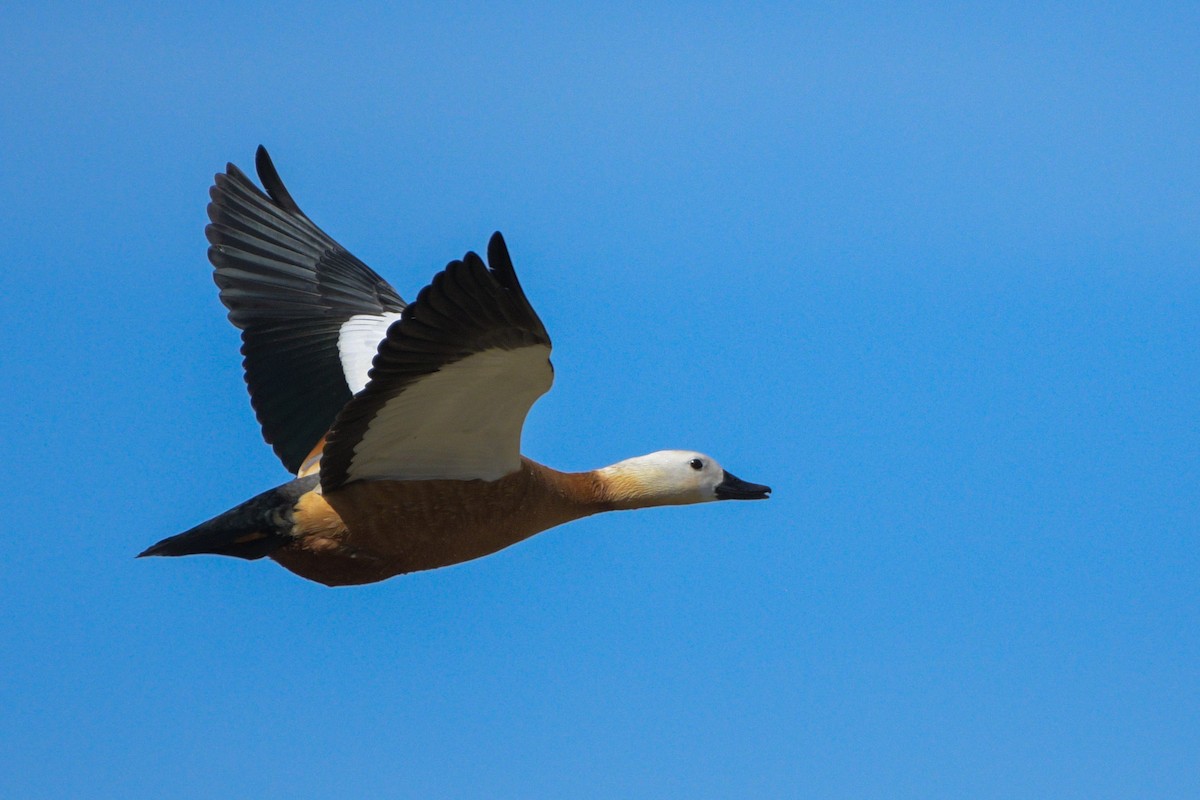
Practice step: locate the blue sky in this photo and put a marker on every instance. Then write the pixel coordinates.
(930, 273)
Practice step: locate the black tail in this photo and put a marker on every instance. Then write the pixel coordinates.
(254, 529)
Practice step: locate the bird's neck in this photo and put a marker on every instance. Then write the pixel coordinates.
(611, 488)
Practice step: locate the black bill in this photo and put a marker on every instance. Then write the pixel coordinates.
(732, 487)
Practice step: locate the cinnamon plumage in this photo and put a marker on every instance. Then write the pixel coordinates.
(402, 422)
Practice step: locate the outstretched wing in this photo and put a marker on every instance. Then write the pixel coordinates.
(451, 384)
(311, 314)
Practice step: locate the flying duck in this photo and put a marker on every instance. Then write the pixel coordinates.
(402, 422)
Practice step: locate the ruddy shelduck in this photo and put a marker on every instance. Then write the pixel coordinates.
(402, 422)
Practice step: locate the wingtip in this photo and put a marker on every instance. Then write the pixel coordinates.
(269, 177)
(499, 260)
(497, 248)
(263, 164)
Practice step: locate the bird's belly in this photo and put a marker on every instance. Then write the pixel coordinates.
(369, 531)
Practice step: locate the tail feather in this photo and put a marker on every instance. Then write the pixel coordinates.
(254, 529)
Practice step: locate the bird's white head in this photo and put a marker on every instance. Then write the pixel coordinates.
(672, 478)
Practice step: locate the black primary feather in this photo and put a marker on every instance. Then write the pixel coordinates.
(289, 287)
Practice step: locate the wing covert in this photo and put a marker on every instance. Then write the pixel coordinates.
(451, 384)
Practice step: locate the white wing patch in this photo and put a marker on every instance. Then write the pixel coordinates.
(358, 340)
(462, 422)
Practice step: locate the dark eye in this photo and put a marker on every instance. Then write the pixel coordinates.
(696, 463)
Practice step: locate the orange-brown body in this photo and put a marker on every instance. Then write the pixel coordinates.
(368, 396)
(368, 531)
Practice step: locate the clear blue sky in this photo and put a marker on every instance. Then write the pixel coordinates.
(933, 275)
